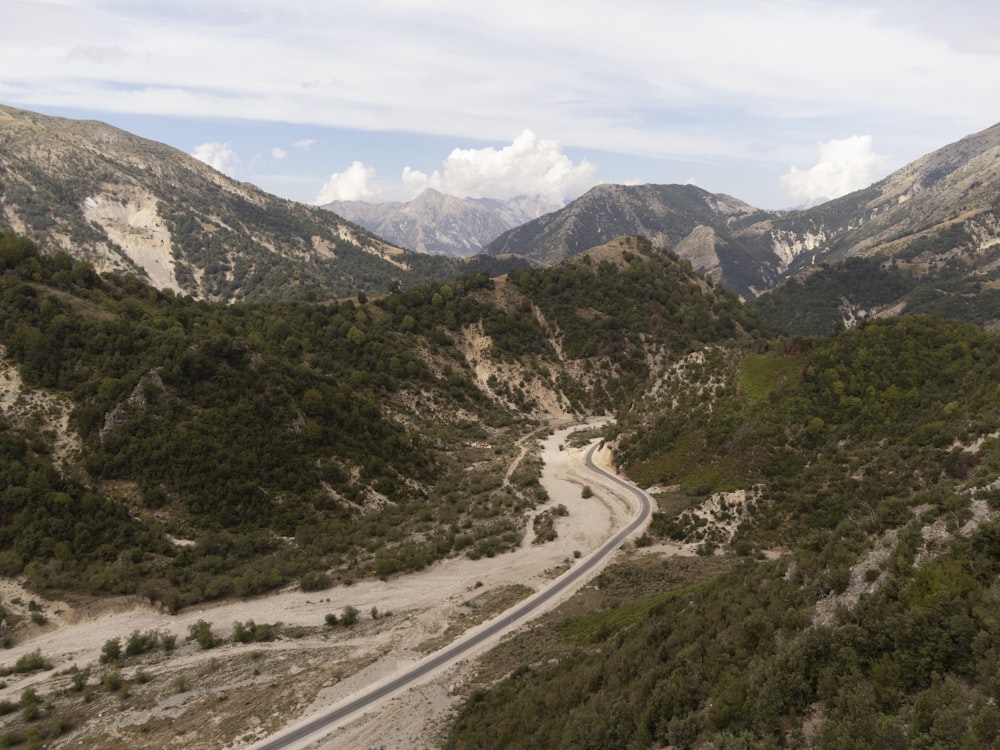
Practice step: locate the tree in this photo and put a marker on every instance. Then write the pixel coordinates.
(356, 336)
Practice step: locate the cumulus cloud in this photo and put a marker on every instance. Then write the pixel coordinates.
(217, 155)
(844, 166)
(529, 166)
(304, 144)
(278, 153)
(350, 185)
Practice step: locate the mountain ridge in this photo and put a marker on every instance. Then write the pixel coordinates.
(125, 203)
(949, 200)
(666, 214)
(441, 224)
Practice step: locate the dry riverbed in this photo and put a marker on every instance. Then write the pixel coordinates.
(234, 695)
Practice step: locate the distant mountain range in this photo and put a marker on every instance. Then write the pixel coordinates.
(442, 224)
(125, 203)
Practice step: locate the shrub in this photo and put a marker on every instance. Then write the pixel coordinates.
(252, 632)
(201, 632)
(79, 678)
(29, 709)
(32, 662)
(111, 651)
(139, 643)
(349, 616)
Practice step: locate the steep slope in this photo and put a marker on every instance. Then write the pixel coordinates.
(952, 191)
(925, 239)
(122, 202)
(441, 224)
(348, 438)
(698, 225)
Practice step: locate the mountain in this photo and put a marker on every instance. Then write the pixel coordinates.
(927, 237)
(936, 219)
(920, 209)
(125, 203)
(698, 225)
(924, 239)
(442, 224)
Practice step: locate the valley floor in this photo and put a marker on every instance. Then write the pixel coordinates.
(235, 695)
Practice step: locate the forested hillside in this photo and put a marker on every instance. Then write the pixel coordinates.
(849, 480)
(309, 441)
(863, 610)
(839, 295)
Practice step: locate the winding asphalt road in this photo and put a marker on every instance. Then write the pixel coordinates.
(463, 646)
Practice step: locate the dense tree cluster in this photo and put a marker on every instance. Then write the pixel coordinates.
(600, 309)
(241, 423)
(943, 285)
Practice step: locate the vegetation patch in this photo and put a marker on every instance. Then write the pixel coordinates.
(763, 374)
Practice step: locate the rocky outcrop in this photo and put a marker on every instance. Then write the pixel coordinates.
(149, 386)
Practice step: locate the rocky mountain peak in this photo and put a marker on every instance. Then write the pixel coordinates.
(441, 224)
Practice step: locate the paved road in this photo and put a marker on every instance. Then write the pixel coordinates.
(463, 646)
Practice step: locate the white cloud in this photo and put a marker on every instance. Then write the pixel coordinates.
(217, 155)
(304, 144)
(738, 81)
(349, 185)
(844, 166)
(760, 63)
(528, 166)
(416, 181)
(278, 153)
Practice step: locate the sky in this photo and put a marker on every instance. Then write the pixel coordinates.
(779, 103)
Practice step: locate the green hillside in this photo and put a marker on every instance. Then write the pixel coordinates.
(318, 442)
(226, 450)
(863, 288)
(872, 619)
